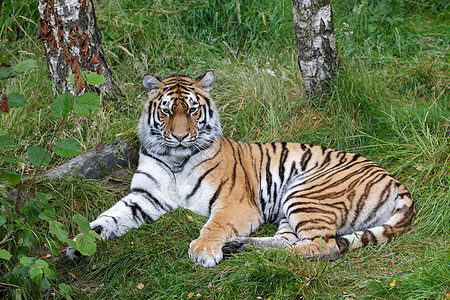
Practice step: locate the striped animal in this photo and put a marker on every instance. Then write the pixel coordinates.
(325, 201)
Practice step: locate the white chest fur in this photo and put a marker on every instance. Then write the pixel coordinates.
(185, 188)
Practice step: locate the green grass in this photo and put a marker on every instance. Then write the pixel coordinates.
(390, 102)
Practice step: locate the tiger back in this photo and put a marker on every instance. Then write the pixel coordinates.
(325, 201)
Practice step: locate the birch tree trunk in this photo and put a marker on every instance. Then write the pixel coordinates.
(315, 43)
(72, 42)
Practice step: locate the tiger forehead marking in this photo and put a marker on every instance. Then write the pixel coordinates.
(179, 91)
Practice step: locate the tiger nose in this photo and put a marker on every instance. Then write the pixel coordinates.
(180, 136)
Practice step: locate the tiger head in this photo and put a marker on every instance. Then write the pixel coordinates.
(180, 118)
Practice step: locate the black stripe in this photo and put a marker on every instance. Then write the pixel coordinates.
(285, 232)
(293, 172)
(385, 195)
(247, 179)
(274, 147)
(199, 181)
(326, 160)
(283, 158)
(365, 237)
(233, 176)
(145, 152)
(312, 222)
(362, 200)
(308, 210)
(147, 175)
(404, 194)
(262, 201)
(408, 213)
(135, 209)
(208, 104)
(332, 176)
(268, 174)
(152, 199)
(388, 231)
(208, 159)
(216, 194)
(305, 159)
(343, 244)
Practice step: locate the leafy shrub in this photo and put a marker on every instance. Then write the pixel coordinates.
(32, 234)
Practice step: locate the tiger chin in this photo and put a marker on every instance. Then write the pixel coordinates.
(325, 201)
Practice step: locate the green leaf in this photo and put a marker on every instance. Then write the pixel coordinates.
(4, 254)
(40, 263)
(72, 78)
(72, 243)
(31, 210)
(61, 105)
(7, 72)
(21, 160)
(65, 289)
(26, 261)
(25, 66)
(44, 197)
(57, 229)
(36, 274)
(2, 220)
(86, 103)
(11, 177)
(5, 142)
(93, 78)
(94, 234)
(36, 155)
(48, 273)
(10, 160)
(52, 246)
(27, 237)
(67, 148)
(45, 284)
(86, 244)
(47, 215)
(82, 222)
(16, 100)
(21, 270)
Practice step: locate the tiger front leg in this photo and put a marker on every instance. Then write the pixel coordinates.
(130, 212)
(225, 223)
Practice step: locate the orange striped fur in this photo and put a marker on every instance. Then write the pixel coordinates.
(325, 201)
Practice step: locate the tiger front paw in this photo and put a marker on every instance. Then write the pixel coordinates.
(205, 253)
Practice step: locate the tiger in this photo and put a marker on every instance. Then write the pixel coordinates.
(324, 201)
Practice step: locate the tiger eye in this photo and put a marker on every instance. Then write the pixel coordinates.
(165, 111)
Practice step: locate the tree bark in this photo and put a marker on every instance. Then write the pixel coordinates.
(315, 43)
(72, 42)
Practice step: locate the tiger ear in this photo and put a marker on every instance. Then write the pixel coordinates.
(206, 80)
(150, 83)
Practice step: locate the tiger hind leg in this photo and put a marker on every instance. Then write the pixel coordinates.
(315, 226)
(284, 237)
(319, 247)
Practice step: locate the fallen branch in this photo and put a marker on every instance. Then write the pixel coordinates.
(95, 163)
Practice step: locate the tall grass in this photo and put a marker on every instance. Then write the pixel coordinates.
(390, 102)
